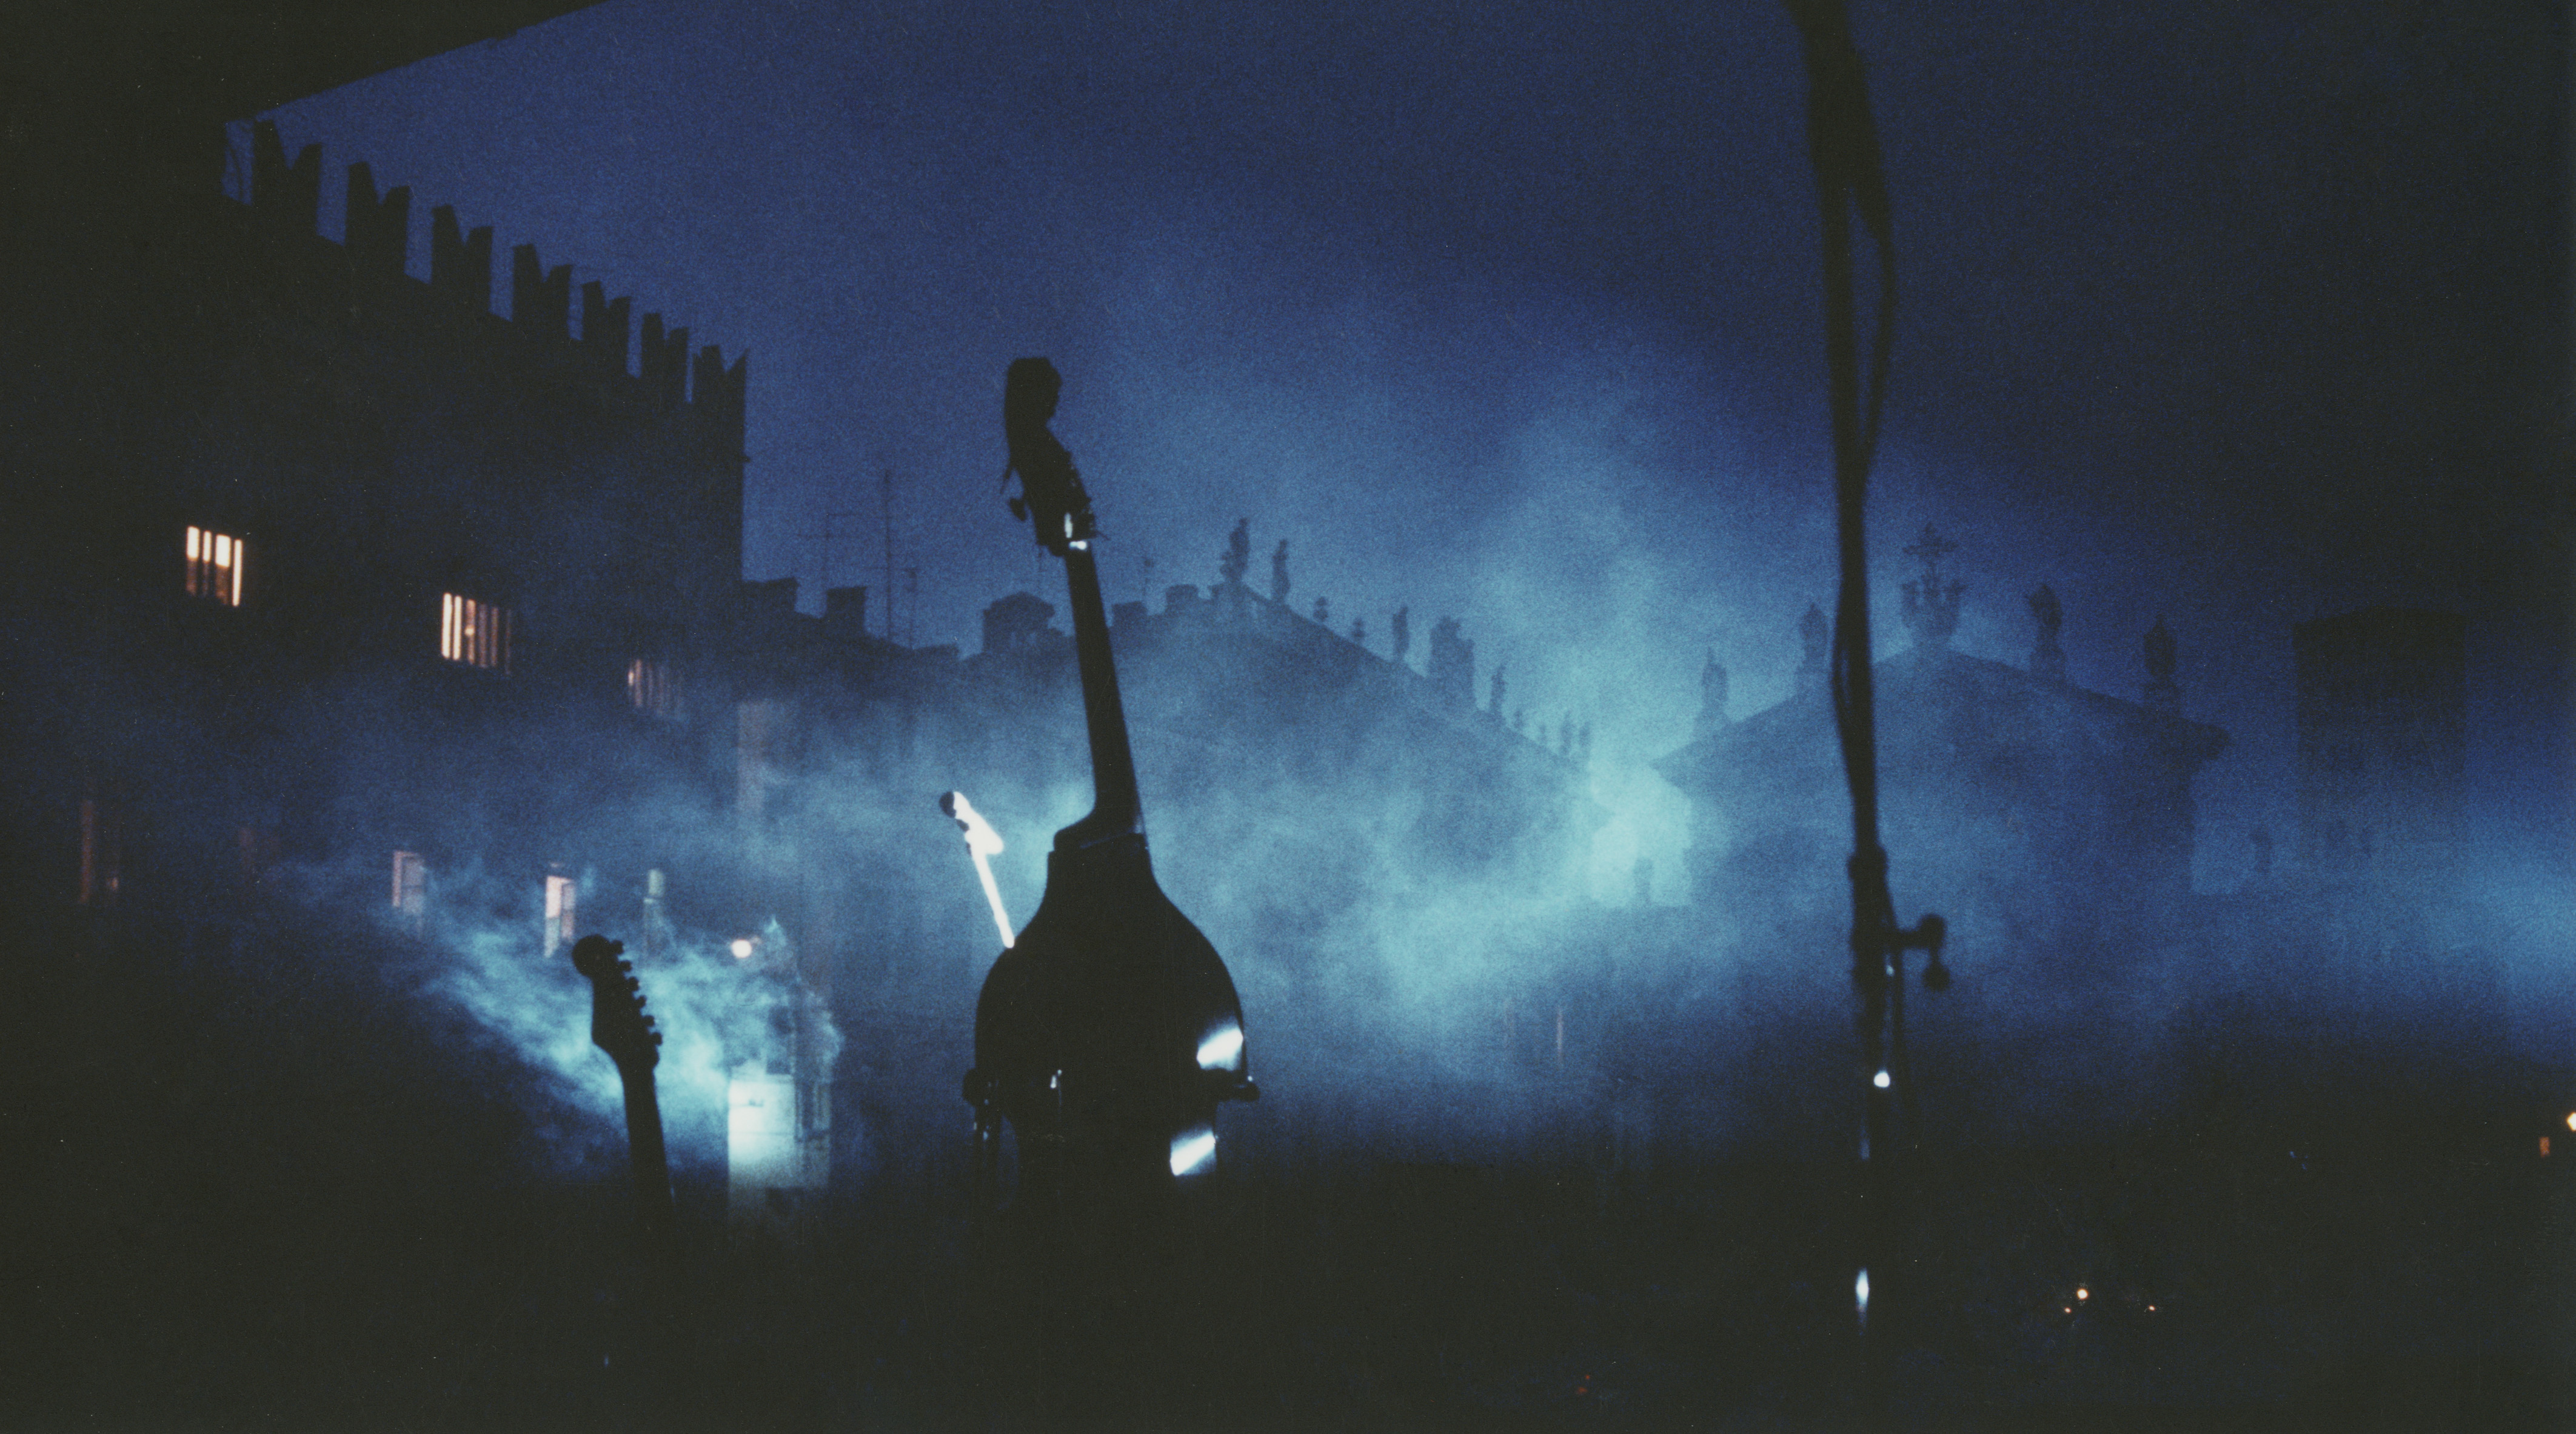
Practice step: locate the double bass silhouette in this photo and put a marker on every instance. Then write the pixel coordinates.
(1106, 1037)
(1110, 1032)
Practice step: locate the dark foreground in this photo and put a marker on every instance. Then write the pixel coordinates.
(246, 1216)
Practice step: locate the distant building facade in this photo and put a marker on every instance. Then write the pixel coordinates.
(2040, 818)
(2383, 744)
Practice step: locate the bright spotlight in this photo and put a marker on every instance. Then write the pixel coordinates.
(742, 948)
(1881, 1080)
(1220, 1049)
(1193, 1150)
(2082, 1293)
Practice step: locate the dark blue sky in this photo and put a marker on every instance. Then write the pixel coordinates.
(2238, 313)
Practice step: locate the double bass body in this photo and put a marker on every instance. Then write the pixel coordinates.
(1109, 1033)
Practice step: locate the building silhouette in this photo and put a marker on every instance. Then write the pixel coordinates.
(2383, 745)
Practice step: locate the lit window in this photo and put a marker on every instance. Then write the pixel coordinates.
(560, 893)
(473, 632)
(411, 886)
(651, 687)
(215, 563)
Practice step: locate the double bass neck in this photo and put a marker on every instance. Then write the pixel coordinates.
(1115, 810)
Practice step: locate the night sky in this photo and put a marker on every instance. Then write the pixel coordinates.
(2237, 313)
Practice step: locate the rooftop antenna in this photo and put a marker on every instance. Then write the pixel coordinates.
(824, 538)
(885, 491)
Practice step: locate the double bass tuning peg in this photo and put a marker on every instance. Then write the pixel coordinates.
(1930, 934)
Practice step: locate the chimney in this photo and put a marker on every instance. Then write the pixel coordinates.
(776, 596)
(846, 610)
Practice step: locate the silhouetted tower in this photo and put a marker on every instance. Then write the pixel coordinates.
(1279, 572)
(1402, 628)
(2158, 650)
(2383, 743)
(2047, 659)
(1815, 636)
(1931, 610)
(1323, 611)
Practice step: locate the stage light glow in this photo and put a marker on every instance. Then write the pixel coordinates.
(1860, 1294)
(1881, 1080)
(742, 948)
(1223, 1048)
(1193, 1151)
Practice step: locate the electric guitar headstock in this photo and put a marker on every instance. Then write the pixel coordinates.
(618, 1024)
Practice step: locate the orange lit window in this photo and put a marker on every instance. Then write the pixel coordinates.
(411, 886)
(651, 687)
(560, 895)
(215, 563)
(473, 632)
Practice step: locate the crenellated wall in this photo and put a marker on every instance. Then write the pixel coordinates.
(286, 200)
(460, 267)
(378, 232)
